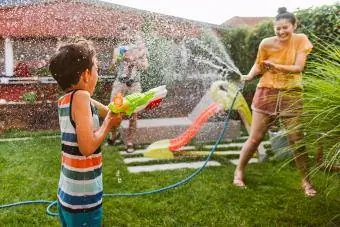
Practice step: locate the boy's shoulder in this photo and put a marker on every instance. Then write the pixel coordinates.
(81, 94)
(81, 102)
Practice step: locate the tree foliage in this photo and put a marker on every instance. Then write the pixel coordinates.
(322, 22)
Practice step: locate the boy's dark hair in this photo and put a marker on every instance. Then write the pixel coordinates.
(284, 14)
(70, 61)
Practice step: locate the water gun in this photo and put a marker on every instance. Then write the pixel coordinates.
(121, 51)
(138, 101)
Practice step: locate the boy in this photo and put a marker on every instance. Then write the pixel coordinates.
(80, 190)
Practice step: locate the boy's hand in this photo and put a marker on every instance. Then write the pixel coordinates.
(114, 119)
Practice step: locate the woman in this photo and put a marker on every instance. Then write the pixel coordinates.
(280, 61)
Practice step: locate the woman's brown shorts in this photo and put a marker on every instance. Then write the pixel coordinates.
(277, 102)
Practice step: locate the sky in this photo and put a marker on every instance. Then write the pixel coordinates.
(219, 11)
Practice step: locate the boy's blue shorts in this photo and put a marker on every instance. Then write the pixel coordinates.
(91, 218)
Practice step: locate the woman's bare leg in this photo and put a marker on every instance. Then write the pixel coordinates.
(300, 153)
(258, 129)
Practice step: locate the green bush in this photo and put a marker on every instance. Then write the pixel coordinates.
(242, 45)
(321, 117)
(29, 97)
(236, 45)
(322, 22)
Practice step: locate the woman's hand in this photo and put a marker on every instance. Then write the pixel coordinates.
(246, 78)
(269, 65)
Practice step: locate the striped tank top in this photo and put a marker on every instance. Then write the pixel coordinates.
(80, 185)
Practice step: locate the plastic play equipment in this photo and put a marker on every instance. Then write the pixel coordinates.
(138, 101)
(222, 94)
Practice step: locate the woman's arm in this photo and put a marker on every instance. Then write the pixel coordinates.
(89, 139)
(254, 71)
(298, 66)
(257, 67)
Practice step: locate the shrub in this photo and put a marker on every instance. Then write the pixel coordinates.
(242, 45)
(320, 22)
(321, 117)
(29, 97)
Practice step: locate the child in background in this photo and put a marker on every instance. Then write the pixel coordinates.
(129, 63)
(80, 190)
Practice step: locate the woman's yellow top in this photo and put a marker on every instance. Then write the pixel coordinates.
(285, 54)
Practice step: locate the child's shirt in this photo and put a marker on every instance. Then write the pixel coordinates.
(285, 55)
(80, 185)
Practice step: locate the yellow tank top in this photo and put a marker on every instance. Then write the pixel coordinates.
(283, 55)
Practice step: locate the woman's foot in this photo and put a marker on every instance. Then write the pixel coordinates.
(308, 188)
(238, 179)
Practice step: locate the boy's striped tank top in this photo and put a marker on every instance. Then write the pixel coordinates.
(80, 185)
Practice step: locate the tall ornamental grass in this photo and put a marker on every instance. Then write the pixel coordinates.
(321, 117)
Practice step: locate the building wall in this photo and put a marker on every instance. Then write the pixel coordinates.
(31, 50)
(2, 56)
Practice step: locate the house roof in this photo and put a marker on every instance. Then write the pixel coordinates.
(60, 18)
(244, 21)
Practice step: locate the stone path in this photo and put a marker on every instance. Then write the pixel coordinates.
(171, 166)
(136, 162)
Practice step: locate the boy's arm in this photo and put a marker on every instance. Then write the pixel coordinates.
(88, 138)
(102, 109)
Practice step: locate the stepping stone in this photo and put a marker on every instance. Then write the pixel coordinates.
(138, 159)
(206, 153)
(225, 145)
(141, 151)
(236, 161)
(162, 167)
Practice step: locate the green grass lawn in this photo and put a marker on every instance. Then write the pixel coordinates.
(29, 170)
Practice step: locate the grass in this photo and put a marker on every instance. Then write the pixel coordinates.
(17, 133)
(29, 170)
